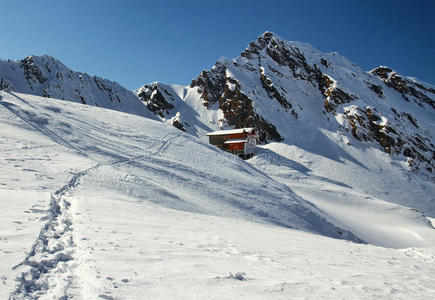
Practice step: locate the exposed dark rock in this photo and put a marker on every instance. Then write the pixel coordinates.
(408, 153)
(284, 56)
(211, 84)
(377, 89)
(341, 97)
(31, 71)
(334, 95)
(215, 87)
(238, 111)
(411, 119)
(325, 62)
(47, 66)
(409, 89)
(382, 72)
(366, 126)
(177, 124)
(257, 46)
(272, 91)
(45, 93)
(5, 86)
(154, 100)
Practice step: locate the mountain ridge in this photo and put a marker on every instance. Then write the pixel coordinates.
(270, 86)
(48, 77)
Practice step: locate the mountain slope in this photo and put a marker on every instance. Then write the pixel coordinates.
(48, 77)
(344, 137)
(278, 86)
(157, 152)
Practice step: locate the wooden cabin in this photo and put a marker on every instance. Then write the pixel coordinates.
(240, 142)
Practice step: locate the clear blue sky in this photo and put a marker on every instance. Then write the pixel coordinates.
(136, 42)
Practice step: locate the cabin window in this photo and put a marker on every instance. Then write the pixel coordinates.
(217, 139)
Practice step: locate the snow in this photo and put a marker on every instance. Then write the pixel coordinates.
(193, 256)
(231, 131)
(235, 141)
(362, 191)
(103, 204)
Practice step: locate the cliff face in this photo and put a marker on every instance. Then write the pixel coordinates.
(277, 86)
(48, 77)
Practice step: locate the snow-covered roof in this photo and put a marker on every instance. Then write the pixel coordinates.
(231, 131)
(235, 141)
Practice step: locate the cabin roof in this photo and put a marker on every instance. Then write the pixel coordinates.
(235, 141)
(232, 131)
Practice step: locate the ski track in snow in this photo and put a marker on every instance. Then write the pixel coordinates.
(50, 257)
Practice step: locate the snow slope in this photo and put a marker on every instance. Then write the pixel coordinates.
(50, 146)
(367, 192)
(129, 208)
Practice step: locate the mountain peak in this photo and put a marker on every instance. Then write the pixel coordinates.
(45, 58)
(267, 35)
(382, 72)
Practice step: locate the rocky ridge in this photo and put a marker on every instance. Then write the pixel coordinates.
(48, 77)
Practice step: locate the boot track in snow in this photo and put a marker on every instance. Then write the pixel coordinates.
(48, 261)
(48, 265)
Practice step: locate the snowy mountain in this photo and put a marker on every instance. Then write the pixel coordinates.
(103, 204)
(48, 77)
(279, 86)
(108, 200)
(349, 141)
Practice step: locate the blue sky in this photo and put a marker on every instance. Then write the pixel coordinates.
(136, 42)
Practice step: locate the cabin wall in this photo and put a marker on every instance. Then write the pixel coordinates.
(236, 136)
(236, 147)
